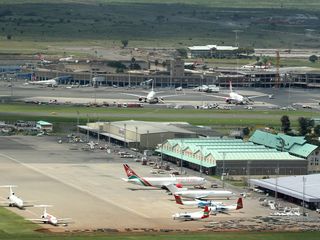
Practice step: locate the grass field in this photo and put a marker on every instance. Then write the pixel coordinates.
(41, 25)
(15, 227)
(228, 118)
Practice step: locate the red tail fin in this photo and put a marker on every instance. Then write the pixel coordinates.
(129, 171)
(178, 199)
(205, 212)
(239, 204)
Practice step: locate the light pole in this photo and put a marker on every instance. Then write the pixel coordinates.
(77, 123)
(161, 136)
(181, 160)
(201, 160)
(125, 135)
(147, 139)
(87, 128)
(109, 130)
(137, 137)
(304, 179)
(223, 166)
(248, 173)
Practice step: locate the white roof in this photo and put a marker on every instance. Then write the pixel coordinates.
(210, 47)
(143, 127)
(200, 48)
(293, 186)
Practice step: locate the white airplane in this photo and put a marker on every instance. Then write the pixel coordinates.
(49, 83)
(15, 201)
(192, 216)
(151, 97)
(214, 207)
(68, 59)
(160, 182)
(48, 218)
(236, 98)
(207, 88)
(42, 60)
(198, 193)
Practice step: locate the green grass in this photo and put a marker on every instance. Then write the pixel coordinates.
(231, 118)
(37, 27)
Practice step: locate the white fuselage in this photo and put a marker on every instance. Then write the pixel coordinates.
(15, 201)
(48, 218)
(51, 82)
(222, 208)
(204, 194)
(235, 98)
(151, 97)
(165, 181)
(188, 216)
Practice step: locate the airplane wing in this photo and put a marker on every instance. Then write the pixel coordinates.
(257, 96)
(134, 95)
(217, 96)
(38, 219)
(173, 95)
(64, 220)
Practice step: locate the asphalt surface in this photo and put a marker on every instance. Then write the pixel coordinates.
(282, 97)
(87, 187)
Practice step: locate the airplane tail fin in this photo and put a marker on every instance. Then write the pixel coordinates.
(172, 188)
(44, 208)
(178, 199)
(230, 86)
(10, 188)
(129, 171)
(239, 204)
(206, 212)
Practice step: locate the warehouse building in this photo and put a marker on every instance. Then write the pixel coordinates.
(137, 134)
(231, 157)
(294, 188)
(296, 146)
(210, 51)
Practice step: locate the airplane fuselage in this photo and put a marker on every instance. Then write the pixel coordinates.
(14, 201)
(204, 194)
(48, 218)
(165, 181)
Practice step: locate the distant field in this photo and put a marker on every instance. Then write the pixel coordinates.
(227, 118)
(39, 25)
(14, 227)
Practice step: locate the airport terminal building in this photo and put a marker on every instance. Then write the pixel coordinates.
(231, 157)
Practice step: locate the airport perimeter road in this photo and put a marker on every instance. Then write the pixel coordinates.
(87, 187)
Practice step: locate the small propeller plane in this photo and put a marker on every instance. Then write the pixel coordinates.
(48, 218)
(192, 216)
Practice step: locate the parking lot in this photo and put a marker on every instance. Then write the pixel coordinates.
(87, 187)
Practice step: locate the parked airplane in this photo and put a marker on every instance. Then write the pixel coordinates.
(42, 60)
(15, 201)
(151, 97)
(192, 216)
(236, 98)
(160, 182)
(68, 59)
(199, 194)
(49, 83)
(48, 218)
(207, 88)
(214, 207)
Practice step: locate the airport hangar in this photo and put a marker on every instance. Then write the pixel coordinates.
(293, 188)
(141, 134)
(225, 156)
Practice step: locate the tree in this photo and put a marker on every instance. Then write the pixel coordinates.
(182, 52)
(316, 130)
(246, 131)
(285, 124)
(313, 58)
(124, 43)
(305, 125)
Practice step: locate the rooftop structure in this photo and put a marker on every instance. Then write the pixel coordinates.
(293, 187)
(232, 154)
(296, 146)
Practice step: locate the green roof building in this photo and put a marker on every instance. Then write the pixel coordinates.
(296, 146)
(230, 156)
